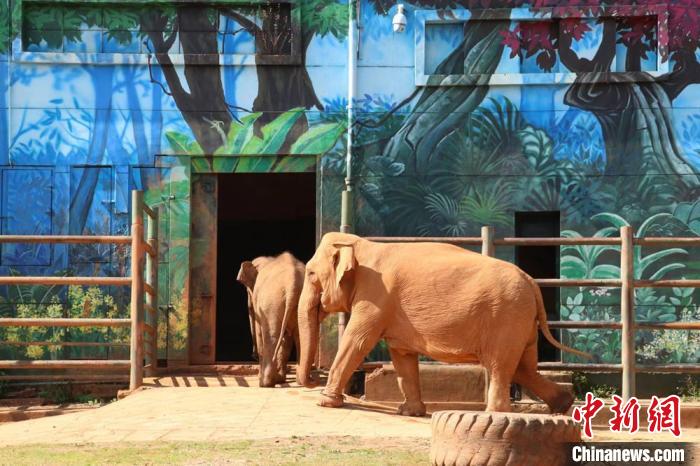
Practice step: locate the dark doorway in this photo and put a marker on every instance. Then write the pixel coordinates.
(541, 262)
(258, 215)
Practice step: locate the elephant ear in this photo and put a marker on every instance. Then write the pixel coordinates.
(247, 274)
(344, 259)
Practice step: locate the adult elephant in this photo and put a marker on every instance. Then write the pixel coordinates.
(274, 285)
(436, 299)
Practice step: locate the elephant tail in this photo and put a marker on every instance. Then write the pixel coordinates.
(289, 307)
(542, 318)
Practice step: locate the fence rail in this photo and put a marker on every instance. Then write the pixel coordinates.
(142, 318)
(627, 284)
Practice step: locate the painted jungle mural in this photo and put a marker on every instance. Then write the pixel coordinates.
(481, 109)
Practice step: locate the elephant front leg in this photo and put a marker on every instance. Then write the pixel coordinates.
(361, 335)
(406, 365)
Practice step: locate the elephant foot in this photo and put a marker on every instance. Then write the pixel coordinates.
(331, 401)
(311, 382)
(561, 403)
(412, 408)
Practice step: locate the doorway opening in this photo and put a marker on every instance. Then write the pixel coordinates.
(541, 262)
(259, 214)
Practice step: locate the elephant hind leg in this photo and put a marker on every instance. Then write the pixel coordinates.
(406, 365)
(557, 398)
(500, 358)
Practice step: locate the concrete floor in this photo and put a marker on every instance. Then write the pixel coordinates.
(217, 408)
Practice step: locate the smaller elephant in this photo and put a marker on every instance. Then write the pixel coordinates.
(274, 285)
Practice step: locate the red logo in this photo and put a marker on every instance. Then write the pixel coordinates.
(665, 414)
(626, 416)
(587, 412)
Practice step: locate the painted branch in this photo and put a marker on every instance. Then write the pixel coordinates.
(561, 282)
(67, 281)
(86, 344)
(667, 283)
(66, 377)
(60, 322)
(94, 364)
(65, 239)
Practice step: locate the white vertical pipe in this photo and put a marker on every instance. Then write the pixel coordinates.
(346, 200)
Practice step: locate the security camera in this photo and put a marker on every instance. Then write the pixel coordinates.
(399, 21)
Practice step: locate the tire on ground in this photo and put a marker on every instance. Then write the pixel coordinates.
(496, 439)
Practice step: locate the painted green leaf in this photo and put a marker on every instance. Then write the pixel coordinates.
(276, 132)
(319, 139)
(295, 164)
(242, 136)
(659, 274)
(572, 267)
(605, 272)
(614, 219)
(182, 144)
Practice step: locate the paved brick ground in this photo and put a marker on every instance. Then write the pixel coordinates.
(212, 408)
(213, 413)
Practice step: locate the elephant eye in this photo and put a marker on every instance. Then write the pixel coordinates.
(312, 277)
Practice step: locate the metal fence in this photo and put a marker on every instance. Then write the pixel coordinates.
(627, 283)
(143, 316)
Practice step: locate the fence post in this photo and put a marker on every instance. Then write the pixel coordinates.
(627, 312)
(487, 249)
(151, 315)
(136, 354)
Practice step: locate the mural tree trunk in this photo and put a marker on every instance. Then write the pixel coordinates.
(84, 194)
(634, 114)
(280, 87)
(636, 123)
(204, 106)
(283, 87)
(445, 105)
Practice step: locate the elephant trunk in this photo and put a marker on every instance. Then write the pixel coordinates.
(308, 332)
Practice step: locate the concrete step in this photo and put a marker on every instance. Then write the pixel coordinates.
(441, 382)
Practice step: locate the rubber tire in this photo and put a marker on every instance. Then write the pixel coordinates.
(498, 439)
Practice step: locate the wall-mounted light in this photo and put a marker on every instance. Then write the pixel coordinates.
(399, 21)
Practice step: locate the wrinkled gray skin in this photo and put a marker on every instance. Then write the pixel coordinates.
(274, 286)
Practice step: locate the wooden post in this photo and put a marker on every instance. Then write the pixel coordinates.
(136, 354)
(487, 246)
(152, 300)
(487, 249)
(627, 312)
